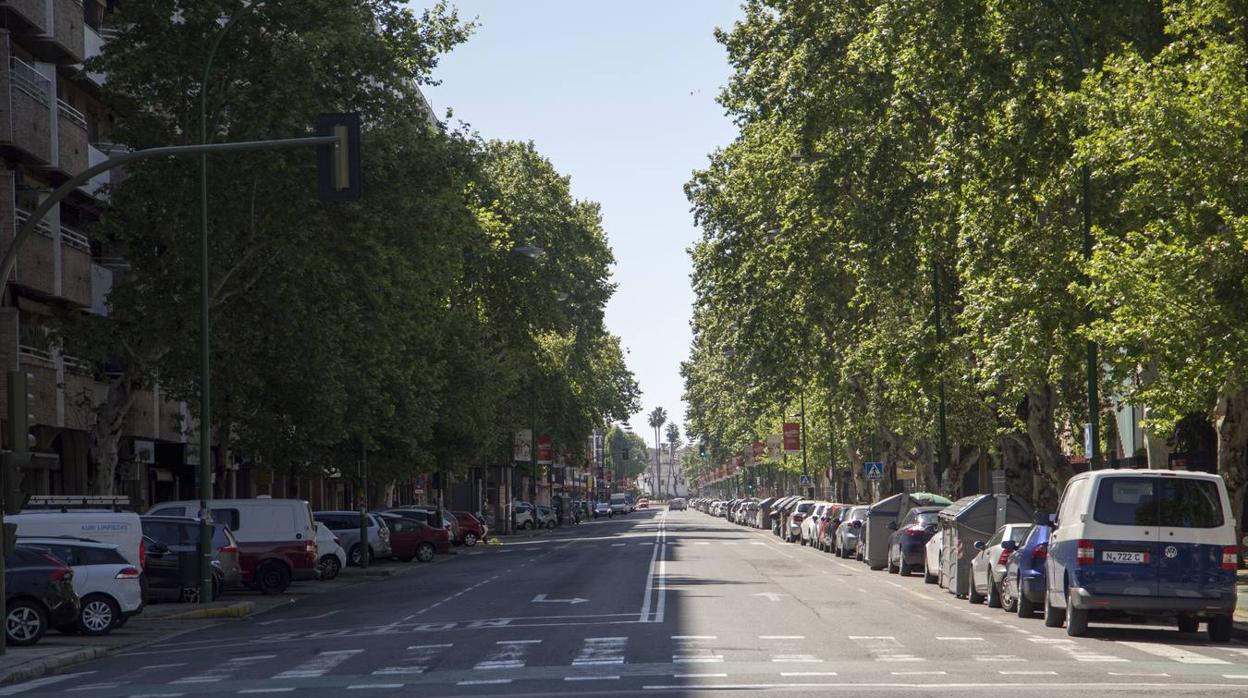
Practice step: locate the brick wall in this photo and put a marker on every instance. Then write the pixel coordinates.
(6, 107)
(67, 18)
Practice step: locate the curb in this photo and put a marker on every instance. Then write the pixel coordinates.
(241, 609)
(38, 668)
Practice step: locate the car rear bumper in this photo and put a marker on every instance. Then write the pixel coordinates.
(1085, 600)
(1032, 588)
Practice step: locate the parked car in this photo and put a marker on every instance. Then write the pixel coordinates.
(471, 528)
(1022, 587)
(276, 538)
(677, 504)
(411, 539)
(603, 509)
(330, 556)
(107, 584)
(988, 567)
(643, 503)
(173, 558)
(810, 524)
(38, 594)
(793, 529)
(932, 563)
(849, 532)
(1143, 543)
(523, 515)
(429, 515)
(907, 543)
(546, 517)
(120, 528)
(346, 525)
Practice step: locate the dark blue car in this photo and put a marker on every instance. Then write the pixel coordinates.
(1022, 588)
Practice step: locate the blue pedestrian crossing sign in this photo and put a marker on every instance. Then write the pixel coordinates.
(805, 481)
(874, 471)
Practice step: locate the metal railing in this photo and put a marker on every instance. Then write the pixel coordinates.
(30, 81)
(74, 364)
(41, 227)
(69, 112)
(35, 354)
(75, 239)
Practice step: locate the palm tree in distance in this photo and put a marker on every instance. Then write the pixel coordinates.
(673, 443)
(658, 416)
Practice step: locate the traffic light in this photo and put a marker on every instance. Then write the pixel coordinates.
(702, 450)
(338, 164)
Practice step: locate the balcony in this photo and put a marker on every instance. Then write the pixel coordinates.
(76, 273)
(93, 46)
(71, 137)
(95, 187)
(36, 261)
(29, 100)
(52, 29)
(33, 14)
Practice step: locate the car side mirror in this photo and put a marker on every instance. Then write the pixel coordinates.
(979, 545)
(892, 525)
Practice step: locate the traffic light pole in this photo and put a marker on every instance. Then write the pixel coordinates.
(17, 457)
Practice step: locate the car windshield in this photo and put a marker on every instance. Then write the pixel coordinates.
(926, 518)
(805, 507)
(858, 515)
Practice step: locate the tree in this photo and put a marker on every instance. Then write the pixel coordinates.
(673, 443)
(656, 420)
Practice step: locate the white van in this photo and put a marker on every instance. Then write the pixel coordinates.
(119, 528)
(1143, 543)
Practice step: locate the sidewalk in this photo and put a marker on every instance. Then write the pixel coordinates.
(1241, 612)
(161, 622)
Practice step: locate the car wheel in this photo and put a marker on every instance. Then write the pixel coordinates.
(528, 526)
(1076, 619)
(972, 593)
(470, 539)
(994, 594)
(272, 578)
(425, 552)
(353, 555)
(928, 577)
(550, 525)
(904, 569)
(98, 615)
(1053, 617)
(330, 567)
(1220, 628)
(25, 623)
(1188, 624)
(892, 569)
(1023, 607)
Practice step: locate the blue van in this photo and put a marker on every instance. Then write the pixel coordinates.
(1143, 543)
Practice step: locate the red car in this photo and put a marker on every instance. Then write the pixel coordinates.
(643, 503)
(410, 539)
(471, 528)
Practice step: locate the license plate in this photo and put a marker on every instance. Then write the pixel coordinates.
(1124, 557)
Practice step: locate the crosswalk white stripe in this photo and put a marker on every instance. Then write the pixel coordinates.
(507, 654)
(884, 648)
(1178, 654)
(319, 665)
(222, 671)
(601, 651)
(46, 681)
(417, 661)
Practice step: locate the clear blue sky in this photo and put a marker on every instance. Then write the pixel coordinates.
(620, 95)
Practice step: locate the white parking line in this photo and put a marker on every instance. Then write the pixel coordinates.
(360, 686)
(782, 637)
(1178, 654)
(37, 683)
(698, 676)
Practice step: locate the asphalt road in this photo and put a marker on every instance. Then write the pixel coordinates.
(658, 603)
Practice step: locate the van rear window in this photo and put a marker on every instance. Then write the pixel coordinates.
(1154, 501)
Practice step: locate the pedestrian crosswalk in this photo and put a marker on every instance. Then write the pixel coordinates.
(471, 662)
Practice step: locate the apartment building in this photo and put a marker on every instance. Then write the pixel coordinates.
(52, 126)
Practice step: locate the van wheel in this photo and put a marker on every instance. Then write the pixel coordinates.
(98, 615)
(1188, 624)
(1076, 619)
(1220, 629)
(25, 622)
(272, 578)
(425, 552)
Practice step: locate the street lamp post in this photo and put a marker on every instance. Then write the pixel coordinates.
(1085, 205)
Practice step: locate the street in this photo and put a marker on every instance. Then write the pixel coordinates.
(656, 603)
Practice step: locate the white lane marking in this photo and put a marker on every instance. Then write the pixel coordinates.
(695, 637)
(319, 665)
(808, 673)
(287, 689)
(701, 542)
(960, 639)
(1028, 673)
(222, 671)
(417, 661)
(483, 682)
(998, 658)
(360, 686)
(1136, 673)
(1235, 676)
(591, 678)
(46, 681)
(918, 673)
(1075, 652)
(755, 542)
(618, 545)
(647, 600)
(161, 666)
(884, 648)
(782, 637)
(423, 647)
(698, 676)
(795, 659)
(1178, 654)
(598, 651)
(518, 642)
(94, 687)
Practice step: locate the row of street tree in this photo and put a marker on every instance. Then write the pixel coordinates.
(459, 300)
(898, 225)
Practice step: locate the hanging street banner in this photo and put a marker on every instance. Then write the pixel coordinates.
(522, 446)
(792, 437)
(760, 450)
(774, 442)
(545, 450)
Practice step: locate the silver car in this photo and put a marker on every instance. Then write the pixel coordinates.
(346, 525)
(676, 504)
(849, 533)
(988, 567)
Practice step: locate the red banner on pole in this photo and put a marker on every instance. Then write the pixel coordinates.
(792, 437)
(545, 450)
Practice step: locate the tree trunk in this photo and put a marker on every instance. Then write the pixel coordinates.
(1053, 468)
(1155, 445)
(1018, 462)
(925, 454)
(862, 494)
(105, 433)
(1230, 418)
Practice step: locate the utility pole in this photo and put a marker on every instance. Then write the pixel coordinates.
(365, 544)
(810, 489)
(12, 462)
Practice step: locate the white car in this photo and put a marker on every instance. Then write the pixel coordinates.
(988, 567)
(330, 557)
(106, 582)
(931, 558)
(810, 524)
